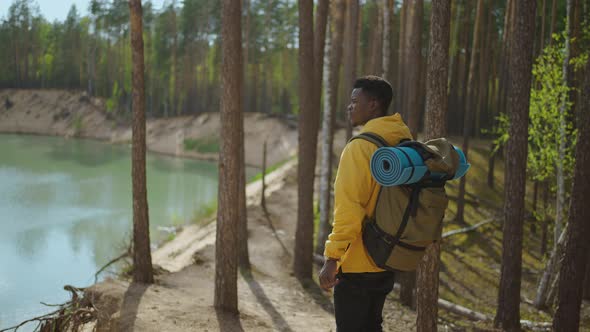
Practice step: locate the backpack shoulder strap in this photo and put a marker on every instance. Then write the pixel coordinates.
(371, 137)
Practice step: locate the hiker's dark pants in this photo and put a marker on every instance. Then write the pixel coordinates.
(359, 299)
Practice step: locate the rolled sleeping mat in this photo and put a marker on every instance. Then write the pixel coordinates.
(463, 164)
(394, 166)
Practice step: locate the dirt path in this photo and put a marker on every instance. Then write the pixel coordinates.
(270, 299)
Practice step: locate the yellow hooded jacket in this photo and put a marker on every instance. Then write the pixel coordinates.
(355, 195)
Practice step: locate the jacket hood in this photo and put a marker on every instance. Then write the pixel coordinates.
(391, 127)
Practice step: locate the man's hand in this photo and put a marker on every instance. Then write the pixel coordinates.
(328, 274)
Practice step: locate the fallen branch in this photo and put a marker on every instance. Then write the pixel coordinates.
(462, 311)
(111, 262)
(467, 229)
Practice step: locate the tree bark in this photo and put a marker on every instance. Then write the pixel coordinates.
(586, 294)
(542, 37)
(401, 67)
(508, 312)
(560, 204)
(228, 213)
(574, 263)
(387, 15)
(334, 57)
(553, 16)
(416, 13)
(470, 103)
(435, 126)
(307, 144)
(350, 56)
(540, 301)
(544, 231)
(142, 257)
(407, 282)
(243, 253)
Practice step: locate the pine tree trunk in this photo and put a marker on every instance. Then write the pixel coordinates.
(435, 126)
(401, 67)
(230, 163)
(508, 312)
(542, 36)
(243, 252)
(505, 56)
(407, 281)
(544, 231)
(553, 17)
(460, 71)
(482, 75)
(350, 56)
(560, 204)
(535, 196)
(491, 166)
(586, 294)
(470, 103)
(307, 144)
(415, 17)
(142, 257)
(551, 268)
(575, 261)
(387, 16)
(334, 57)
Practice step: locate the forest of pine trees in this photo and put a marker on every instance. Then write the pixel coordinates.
(514, 72)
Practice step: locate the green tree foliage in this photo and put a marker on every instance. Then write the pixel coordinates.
(90, 51)
(547, 95)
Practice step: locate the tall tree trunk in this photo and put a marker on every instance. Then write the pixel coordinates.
(435, 126)
(334, 57)
(230, 166)
(551, 268)
(505, 54)
(586, 294)
(458, 84)
(542, 37)
(470, 103)
(142, 257)
(175, 72)
(376, 64)
(416, 13)
(307, 144)
(491, 166)
(553, 16)
(573, 265)
(521, 61)
(560, 202)
(350, 56)
(387, 16)
(534, 209)
(484, 70)
(244, 256)
(401, 67)
(407, 282)
(544, 231)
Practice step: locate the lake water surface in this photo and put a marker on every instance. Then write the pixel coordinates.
(66, 210)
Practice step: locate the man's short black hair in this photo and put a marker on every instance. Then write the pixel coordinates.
(378, 88)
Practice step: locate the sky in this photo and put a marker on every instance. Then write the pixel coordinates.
(58, 9)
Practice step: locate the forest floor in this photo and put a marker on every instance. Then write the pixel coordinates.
(270, 298)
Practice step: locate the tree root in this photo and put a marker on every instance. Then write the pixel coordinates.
(69, 317)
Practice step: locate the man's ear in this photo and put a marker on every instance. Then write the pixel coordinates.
(375, 106)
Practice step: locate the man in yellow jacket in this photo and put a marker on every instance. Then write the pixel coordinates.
(360, 287)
